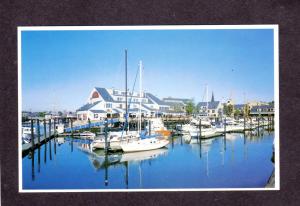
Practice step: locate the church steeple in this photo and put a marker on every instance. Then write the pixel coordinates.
(212, 97)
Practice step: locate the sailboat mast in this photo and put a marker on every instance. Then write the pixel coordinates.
(206, 100)
(140, 112)
(126, 106)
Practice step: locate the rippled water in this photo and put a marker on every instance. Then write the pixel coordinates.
(234, 162)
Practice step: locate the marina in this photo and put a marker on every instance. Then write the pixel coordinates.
(209, 163)
(119, 122)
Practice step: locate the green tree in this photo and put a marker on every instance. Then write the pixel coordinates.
(246, 110)
(190, 107)
(41, 114)
(228, 109)
(237, 113)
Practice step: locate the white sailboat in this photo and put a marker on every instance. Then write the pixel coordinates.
(149, 143)
(115, 139)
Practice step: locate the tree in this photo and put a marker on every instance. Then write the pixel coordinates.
(228, 109)
(246, 110)
(190, 107)
(41, 114)
(237, 113)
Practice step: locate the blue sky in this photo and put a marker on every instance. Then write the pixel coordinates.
(60, 68)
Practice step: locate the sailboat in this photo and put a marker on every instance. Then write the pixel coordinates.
(115, 139)
(149, 142)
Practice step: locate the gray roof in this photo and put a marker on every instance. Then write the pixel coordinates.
(175, 104)
(239, 106)
(136, 110)
(87, 106)
(185, 100)
(149, 108)
(104, 94)
(211, 105)
(98, 111)
(262, 107)
(155, 99)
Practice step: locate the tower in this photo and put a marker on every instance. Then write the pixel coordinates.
(212, 97)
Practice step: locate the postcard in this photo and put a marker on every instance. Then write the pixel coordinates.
(148, 108)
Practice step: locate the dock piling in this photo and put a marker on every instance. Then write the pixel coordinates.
(45, 125)
(71, 126)
(200, 132)
(105, 131)
(224, 126)
(38, 131)
(49, 128)
(32, 133)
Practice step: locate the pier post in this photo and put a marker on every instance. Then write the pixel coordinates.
(200, 132)
(32, 133)
(244, 124)
(258, 126)
(45, 135)
(105, 131)
(49, 128)
(38, 131)
(54, 125)
(71, 127)
(149, 127)
(224, 126)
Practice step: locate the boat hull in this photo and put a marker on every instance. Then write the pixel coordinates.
(144, 145)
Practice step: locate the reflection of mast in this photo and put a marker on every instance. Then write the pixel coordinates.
(39, 159)
(32, 165)
(71, 144)
(140, 171)
(45, 151)
(207, 169)
(106, 170)
(200, 144)
(54, 144)
(126, 174)
(50, 152)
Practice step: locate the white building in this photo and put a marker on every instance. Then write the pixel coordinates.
(104, 103)
(211, 109)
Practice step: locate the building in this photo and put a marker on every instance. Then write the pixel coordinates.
(109, 103)
(177, 105)
(211, 109)
(263, 110)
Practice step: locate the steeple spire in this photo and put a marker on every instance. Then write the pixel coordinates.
(212, 97)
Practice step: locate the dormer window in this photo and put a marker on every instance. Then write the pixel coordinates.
(95, 95)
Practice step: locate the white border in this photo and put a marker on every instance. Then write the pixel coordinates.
(166, 27)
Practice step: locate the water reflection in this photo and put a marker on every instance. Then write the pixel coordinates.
(211, 155)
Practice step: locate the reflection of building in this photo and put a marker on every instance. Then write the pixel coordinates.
(211, 109)
(104, 102)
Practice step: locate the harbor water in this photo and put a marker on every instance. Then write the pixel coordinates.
(234, 161)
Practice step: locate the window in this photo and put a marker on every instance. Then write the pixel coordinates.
(95, 95)
(95, 116)
(108, 105)
(213, 111)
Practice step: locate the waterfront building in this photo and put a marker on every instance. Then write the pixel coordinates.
(177, 105)
(211, 109)
(262, 110)
(103, 102)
